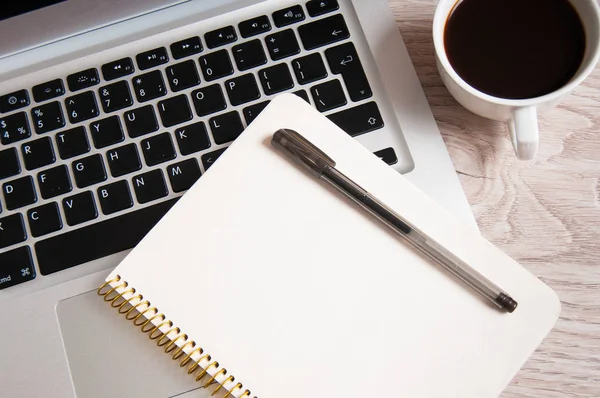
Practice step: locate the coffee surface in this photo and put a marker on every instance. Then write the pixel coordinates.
(515, 49)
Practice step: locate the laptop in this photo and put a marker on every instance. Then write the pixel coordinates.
(111, 109)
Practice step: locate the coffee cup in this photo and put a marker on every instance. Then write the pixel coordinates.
(484, 85)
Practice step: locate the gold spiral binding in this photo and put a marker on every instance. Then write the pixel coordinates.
(151, 321)
(173, 343)
(166, 334)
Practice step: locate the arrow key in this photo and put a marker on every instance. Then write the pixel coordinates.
(324, 31)
(388, 155)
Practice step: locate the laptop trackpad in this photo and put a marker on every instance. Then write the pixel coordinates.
(108, 356)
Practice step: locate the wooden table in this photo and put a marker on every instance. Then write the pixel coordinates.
(545, 213)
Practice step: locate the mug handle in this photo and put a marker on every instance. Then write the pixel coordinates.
(524, 133)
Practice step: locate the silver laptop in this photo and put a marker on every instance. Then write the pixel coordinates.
(111, 109)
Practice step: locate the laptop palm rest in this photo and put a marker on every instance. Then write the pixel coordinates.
(108, 356)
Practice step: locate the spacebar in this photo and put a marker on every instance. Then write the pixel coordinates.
(98, 240)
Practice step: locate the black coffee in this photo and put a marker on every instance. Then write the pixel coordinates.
(515, 49)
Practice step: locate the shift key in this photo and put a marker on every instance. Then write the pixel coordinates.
(358, 120)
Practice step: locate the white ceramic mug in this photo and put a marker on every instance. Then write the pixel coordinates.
(520, 115)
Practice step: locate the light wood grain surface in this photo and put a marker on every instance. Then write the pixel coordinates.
(545, 213)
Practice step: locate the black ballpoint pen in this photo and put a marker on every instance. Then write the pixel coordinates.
(322, 166)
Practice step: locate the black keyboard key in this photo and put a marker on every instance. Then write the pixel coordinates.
(209, 100)
(149, 86)
(117, 69)
(54, 182)
(150, 186)
(141, 121)
(13, 101)
(220, 37)
(81, 245)
(249, 55)
(115, 197)
(38, 153)
(19, 193)
(343, 59)
(89, 171)
(210, 158)
(14, 128)
(216, 65)
(158, 149)
(184, 174)
(9, 163)
(115, 96)
(242, 89)
(80, 208)
(187, 47)
(84, 79)
(152, 58)
(388, 155)
(282, 44)
(276, 79)
(123, 160)
(44, 219)
(288, 16)
(302, 94)
(358, 120)
(47, 117)
(324, 31)
(12, 230)
(254, 26)
(226, 127)
(183, 75)
(192, 138)
(252, 111)
(107, 132)
(320, 7)
(309, 69)
(175, 110)
(82, 107)
(45, 91)
(328, 95)
(73, 142)
(16, 266)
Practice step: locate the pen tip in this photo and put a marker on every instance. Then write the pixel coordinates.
(507, 302)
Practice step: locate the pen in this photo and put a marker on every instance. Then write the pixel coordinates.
(322, 166)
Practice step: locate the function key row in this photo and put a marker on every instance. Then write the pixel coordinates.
(314, 35)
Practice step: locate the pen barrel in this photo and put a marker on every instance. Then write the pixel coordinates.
(420, 241)
(458, 268)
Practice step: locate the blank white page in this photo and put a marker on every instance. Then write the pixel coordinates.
(299, 293)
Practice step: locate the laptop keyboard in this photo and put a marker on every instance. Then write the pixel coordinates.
(81, 181)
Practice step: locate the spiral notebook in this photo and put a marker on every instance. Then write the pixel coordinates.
(262, 281)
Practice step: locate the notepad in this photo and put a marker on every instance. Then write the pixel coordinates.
(263, 281)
